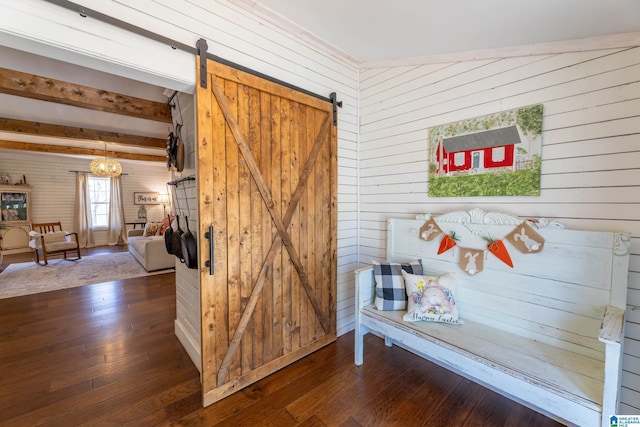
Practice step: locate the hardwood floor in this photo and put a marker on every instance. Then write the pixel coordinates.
(106, 354)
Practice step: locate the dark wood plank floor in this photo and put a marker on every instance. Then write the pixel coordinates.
(106, 354)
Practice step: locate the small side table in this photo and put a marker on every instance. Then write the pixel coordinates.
(136, 223)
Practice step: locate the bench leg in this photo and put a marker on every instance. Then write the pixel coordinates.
(358, 348)
(388, 341)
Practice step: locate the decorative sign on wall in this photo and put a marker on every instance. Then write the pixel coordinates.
(147, 198)
(494, 155)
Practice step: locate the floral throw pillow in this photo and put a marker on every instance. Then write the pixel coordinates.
(151, 229)
(431, 298)
(390, 291)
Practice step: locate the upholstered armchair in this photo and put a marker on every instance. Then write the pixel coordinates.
(49, 238)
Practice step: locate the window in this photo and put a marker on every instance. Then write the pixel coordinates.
(458, 159)
(498, 154)
(99, 196)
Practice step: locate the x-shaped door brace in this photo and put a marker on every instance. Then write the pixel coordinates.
(281, 225)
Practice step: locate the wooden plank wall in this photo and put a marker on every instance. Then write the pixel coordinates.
(53, 186)
(590, 155)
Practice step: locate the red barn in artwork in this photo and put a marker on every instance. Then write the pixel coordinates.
(481, 152)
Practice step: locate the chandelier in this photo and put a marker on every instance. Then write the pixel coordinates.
(104, 166)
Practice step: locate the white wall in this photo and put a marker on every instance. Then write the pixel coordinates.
(185, 200)
(590, 155)
(53, 186)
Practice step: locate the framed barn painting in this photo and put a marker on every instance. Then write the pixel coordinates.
(494, 155)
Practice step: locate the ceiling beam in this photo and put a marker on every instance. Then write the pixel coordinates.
(68, 132)
(61, 149)
(45, 89)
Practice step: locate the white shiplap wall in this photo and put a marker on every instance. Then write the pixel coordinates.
(185, 204)
(53, 187)
(590, 155)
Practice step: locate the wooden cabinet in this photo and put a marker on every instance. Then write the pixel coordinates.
(15, 214)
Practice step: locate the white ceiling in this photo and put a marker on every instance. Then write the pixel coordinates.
(382, 30)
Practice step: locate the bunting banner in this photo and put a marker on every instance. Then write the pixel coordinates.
(471, 260)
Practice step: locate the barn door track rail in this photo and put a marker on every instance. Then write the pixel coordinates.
(200, 50)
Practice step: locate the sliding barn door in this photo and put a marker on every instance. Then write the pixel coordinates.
(267, 188)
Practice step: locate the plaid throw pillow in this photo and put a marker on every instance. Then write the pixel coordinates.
(390, 289)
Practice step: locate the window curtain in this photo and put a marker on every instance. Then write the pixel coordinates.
(82, 218)
(117, 231)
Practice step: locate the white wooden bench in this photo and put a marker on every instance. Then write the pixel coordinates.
(546, 333)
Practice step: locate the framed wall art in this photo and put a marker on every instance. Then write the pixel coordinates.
(494, 155)
(146, 198)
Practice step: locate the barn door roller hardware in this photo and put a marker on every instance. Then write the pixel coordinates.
(334, 100)
(202, 47)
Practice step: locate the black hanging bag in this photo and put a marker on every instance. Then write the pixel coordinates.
(168, 234)
(176, 244)
(189, 248)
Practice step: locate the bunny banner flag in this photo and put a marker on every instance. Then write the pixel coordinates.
(471, 260)
(526, 239)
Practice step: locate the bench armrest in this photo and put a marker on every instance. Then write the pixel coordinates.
(365, 291)
(612, 334)
(611, 329)
(365, 287)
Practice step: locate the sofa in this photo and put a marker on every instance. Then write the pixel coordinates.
(150, 251)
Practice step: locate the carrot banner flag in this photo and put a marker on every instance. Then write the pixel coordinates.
(447, 242)
(498, 248)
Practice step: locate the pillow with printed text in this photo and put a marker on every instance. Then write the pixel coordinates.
(430, 298)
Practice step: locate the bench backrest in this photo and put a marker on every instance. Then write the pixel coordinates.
(556, 296)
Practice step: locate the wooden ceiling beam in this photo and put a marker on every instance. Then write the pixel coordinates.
(61, 92)
(68, 132)
(77, 151)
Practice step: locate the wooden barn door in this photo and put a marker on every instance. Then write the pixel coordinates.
(267, 187)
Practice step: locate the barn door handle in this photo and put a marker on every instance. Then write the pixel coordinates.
(209, 236)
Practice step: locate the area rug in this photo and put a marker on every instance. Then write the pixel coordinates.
(29, 278)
